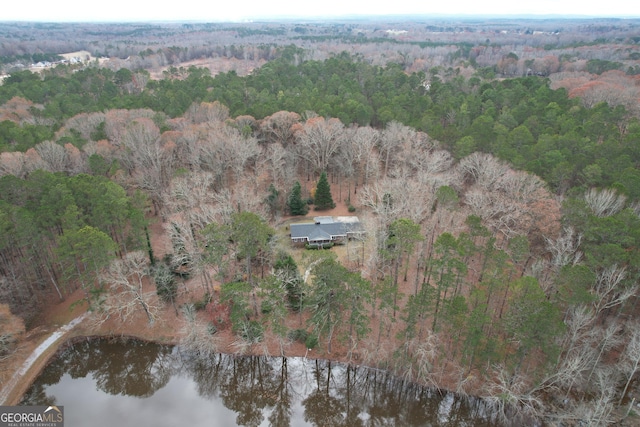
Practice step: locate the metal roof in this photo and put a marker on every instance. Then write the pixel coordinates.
(313, 231)
(323, 230)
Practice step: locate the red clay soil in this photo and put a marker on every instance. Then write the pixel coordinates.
(165, 330)
(168, 328)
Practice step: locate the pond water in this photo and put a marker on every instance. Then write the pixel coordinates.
(114, 383)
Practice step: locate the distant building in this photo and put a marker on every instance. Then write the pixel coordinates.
(325, 230)
(396, 32)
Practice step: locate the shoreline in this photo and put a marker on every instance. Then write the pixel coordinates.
(33, 365)
(72, 333)
(75, 331)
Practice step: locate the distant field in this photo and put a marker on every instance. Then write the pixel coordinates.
(215, 65)
(83, 55)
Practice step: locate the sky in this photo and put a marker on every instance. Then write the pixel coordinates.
(229, 10)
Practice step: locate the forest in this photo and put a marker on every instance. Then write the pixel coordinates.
(495, 167)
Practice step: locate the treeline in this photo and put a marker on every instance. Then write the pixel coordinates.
(519, 120)
(430, 41)
(31, 58)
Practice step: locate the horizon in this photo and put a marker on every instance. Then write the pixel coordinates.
(331, 18)
(120, 11)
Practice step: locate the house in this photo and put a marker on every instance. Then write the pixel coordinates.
(326, 230)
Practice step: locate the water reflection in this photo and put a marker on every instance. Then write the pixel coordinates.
(135, 383)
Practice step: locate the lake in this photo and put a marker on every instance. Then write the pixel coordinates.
(109, 383)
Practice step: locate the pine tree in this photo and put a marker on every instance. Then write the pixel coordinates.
(296, 205)
(272, 199)
(323, 199)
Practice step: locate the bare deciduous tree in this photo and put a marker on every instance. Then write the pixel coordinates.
(238, 151)
(578, 321)
(75, 160)
(246, 199)
(483, 169)
(319, 140)
(187, 252)
(247, 125)
(394, 136)
(564, 249)
(193, 196)
(433, 163)
(608, 290)
(278, 127)
(510, 397)
(12, 163)
(187, 148)
(280, 163)
(522, 186)
(33, 161)
(363, 143)
(207, 112)
(147, 160)
(210, 153)
(116, 122)
(606, 338)
(124, 278)
(53, 155)
(506, 200)
(497, 210)
(573, 369)
(84, 123)
(197, 336)
(630, 361)
(604, 202)
(102, 148)
(597, 411)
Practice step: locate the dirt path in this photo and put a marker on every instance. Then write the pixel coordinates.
(8, 390)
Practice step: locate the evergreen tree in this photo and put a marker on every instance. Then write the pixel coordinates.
(286, 270)
(272, 199)
(296, 205)
(323, 199)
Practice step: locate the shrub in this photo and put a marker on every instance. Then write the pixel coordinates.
(299, 335)
(201, 304)
(7, 343)
(251, 331)
(166, 286)
(265, 307)
(312, 341)
(319, 246)
(211, 328)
